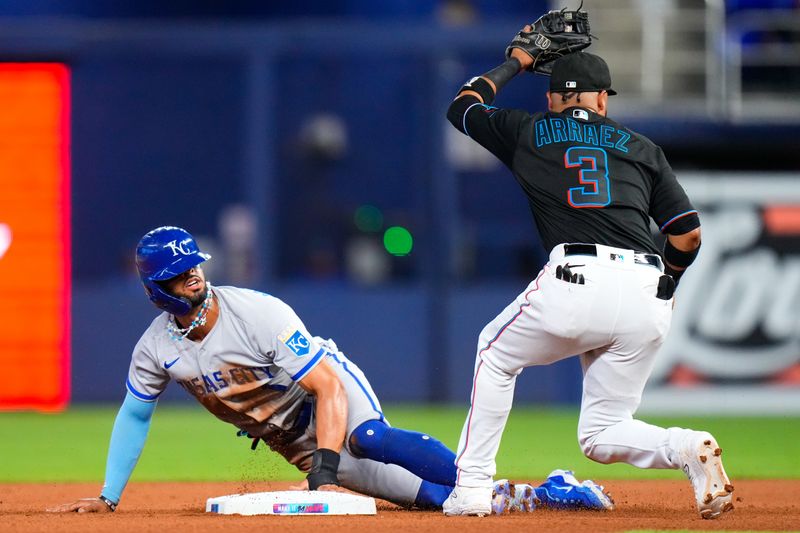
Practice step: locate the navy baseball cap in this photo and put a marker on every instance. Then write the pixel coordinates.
(580, 72)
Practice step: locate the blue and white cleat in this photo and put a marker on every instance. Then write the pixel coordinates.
(525, 500)
(563, 491)
(502, 496)
(508, 497)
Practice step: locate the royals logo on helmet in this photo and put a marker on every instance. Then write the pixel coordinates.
(176, 247)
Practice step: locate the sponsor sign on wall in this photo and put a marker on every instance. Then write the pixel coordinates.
(34, 236)
(734, 344)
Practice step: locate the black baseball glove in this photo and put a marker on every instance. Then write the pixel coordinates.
(554, 34)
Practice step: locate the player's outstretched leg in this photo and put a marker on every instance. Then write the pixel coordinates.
(562, 490)
(418, 453)
(432, 495)
(398, 485)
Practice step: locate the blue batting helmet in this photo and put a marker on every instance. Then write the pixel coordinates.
(162, 254)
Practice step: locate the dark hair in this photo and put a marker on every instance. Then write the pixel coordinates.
(566, 96)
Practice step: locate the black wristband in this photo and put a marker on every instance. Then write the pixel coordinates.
(480, 86)
(679, 258)
(324, 466)
(111, 504)
(502, 74)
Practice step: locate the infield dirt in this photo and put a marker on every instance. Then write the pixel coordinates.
(171, 507)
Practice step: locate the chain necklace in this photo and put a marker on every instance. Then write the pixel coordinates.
(178, 334)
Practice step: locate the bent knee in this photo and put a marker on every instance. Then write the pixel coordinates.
(589, 446)
(593, 448)
(595, 454)
(366, 441)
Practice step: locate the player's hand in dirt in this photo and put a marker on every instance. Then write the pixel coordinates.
(332, 488)
(85, 505)
(303, 485)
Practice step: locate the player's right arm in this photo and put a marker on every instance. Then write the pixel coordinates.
(127, 441)
(680, 251)
(676, 218)
(146, 380)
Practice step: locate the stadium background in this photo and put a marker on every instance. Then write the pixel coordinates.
(305, 145)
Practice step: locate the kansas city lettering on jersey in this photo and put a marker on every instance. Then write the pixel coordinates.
(560, 130)
(215, 381)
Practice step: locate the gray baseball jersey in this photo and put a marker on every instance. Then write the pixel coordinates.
(246, 372)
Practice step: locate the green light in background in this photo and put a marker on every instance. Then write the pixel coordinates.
(369, 219)
(398, 240)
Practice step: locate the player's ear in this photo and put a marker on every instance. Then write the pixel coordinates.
(602, 103)
(549, 101)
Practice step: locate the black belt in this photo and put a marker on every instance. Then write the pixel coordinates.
(640, 258)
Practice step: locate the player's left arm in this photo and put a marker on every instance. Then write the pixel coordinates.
(299, 354)
(525, 51)
(495, 129)
(331, 416)
(487, 86)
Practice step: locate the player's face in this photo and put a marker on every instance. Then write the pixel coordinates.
(190, 285)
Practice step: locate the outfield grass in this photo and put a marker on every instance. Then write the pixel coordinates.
(187, 443)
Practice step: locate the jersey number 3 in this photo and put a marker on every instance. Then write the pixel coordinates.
(592, 175)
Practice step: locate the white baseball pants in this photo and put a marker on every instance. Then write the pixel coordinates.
(614, 322)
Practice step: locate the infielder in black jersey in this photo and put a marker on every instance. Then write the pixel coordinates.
(606, 293)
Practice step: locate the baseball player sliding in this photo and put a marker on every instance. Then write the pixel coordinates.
(606, 293)
(247, 358)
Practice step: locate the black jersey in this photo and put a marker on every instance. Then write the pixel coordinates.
(587, 178)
